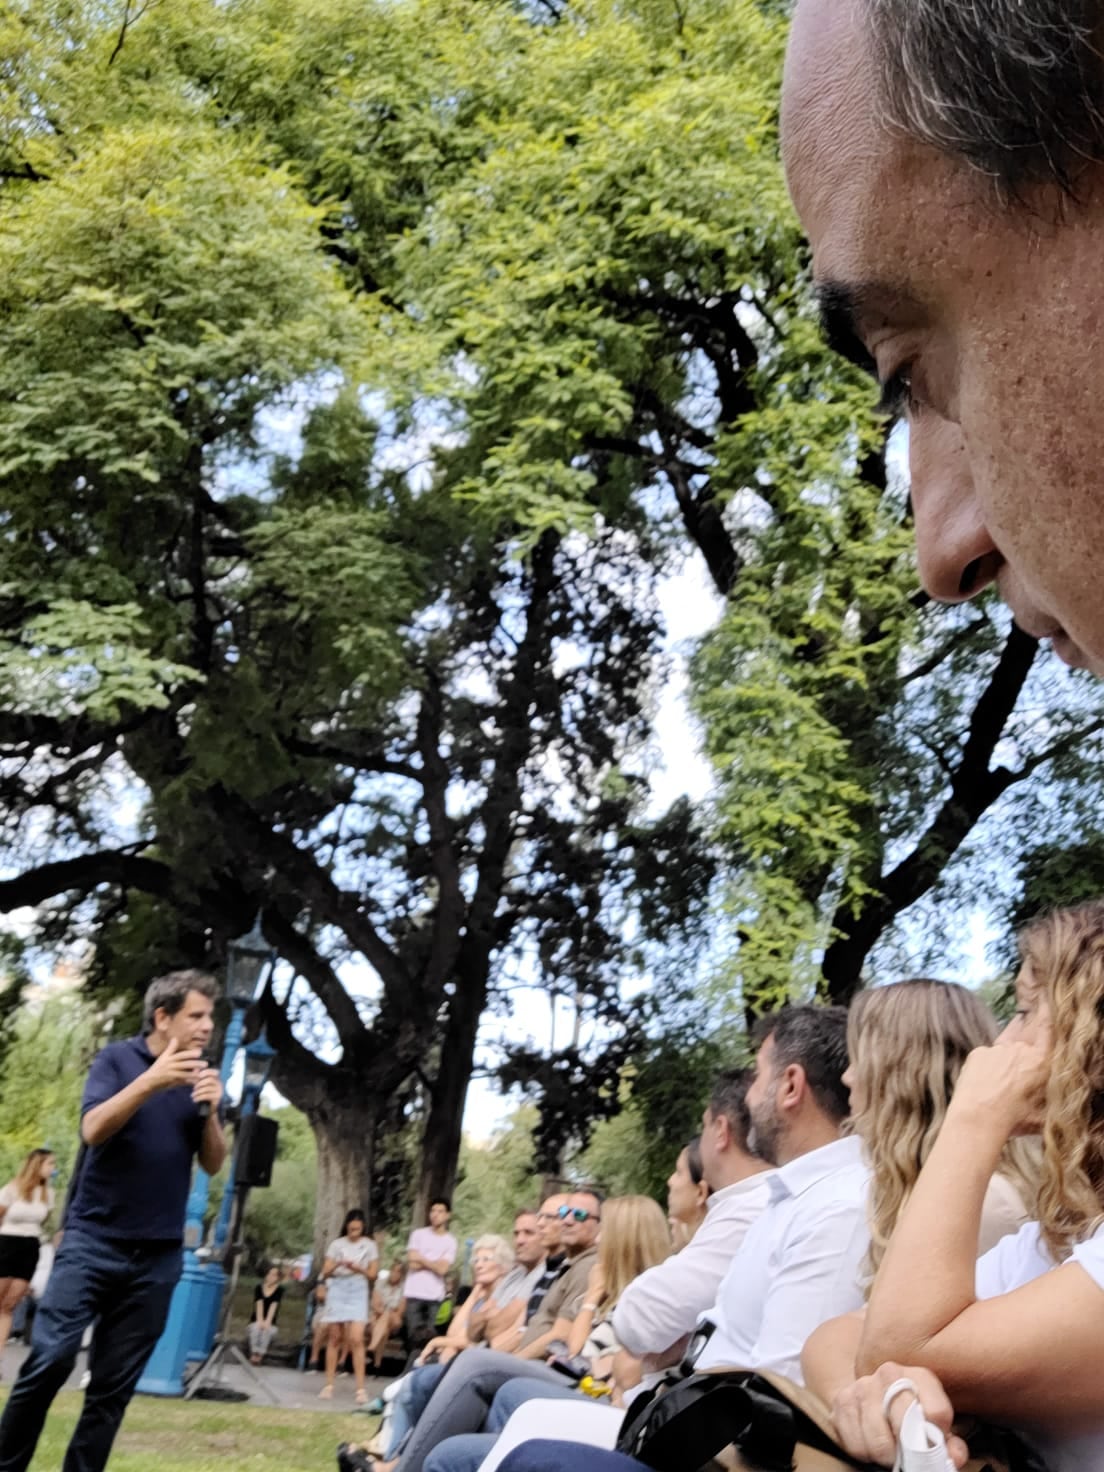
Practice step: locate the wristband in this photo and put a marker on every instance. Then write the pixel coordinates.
(592, 1306)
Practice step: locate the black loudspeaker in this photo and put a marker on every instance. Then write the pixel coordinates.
(256, 1150)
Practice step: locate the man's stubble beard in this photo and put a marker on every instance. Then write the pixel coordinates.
(765, 1132)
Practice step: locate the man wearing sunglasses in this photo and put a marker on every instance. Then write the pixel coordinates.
(461, 1401)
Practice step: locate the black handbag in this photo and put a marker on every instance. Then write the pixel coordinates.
(761, 1422)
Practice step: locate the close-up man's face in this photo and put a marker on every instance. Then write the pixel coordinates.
(982, 316)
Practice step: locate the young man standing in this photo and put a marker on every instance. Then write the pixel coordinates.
(430, 1252)
(150, 1106)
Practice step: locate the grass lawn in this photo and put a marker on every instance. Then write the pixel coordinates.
(206, 1436)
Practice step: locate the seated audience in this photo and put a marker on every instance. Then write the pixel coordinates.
(460, 1401)
(687, 1194)
(266, 1308)
(800, 1261)
(387, 1312)
(1017, 1337)
(635, 1236)
(907, 1045)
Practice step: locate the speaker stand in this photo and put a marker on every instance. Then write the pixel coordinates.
(207, 1380)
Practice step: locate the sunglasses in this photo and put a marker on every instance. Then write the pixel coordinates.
(576, 1213)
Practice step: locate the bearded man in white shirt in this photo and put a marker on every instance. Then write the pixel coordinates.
(804, 1254)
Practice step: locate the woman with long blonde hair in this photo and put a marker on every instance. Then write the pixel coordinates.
(25, 1203)
(907, 1045)
(635, 1236)
(1017, 1338)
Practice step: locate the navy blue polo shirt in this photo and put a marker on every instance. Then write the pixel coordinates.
(135, 1185)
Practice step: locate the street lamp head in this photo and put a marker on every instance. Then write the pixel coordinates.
(247, 958)
(258, 1060)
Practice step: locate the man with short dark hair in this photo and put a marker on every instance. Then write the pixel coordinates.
(657, 1311)
(150, 1106)
(801, 1261)
(430, 1252)
(947, 163)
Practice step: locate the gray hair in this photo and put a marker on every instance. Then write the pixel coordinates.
(1015, 87)
(498, 1246)
(170, 991)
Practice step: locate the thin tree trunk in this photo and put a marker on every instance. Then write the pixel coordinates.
(443, 1127)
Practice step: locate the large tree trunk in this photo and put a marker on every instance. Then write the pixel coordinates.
(345, 1137)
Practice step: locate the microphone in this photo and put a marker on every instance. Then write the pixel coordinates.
(204, 1107)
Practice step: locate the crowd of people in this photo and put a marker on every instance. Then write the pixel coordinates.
(902, 1192)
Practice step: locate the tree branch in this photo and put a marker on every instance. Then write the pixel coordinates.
(86, 872)
(975, 787)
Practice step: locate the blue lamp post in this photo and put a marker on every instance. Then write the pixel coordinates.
(258, 1060)
(193, 1315)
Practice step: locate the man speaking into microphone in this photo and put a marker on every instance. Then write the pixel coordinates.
(150, 1107)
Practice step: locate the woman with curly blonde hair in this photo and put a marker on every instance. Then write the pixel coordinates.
(1018, 1337)
(907, 1044)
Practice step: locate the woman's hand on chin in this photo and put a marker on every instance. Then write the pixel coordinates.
(1004, 1084)
(866, 1431)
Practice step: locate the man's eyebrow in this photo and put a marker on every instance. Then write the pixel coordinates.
(844, 305)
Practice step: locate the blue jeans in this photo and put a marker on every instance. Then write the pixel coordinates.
(466, 1453)
(567, 1456)
(413, 1397)
(127, 1288)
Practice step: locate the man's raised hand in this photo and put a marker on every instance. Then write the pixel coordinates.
(175, 1066)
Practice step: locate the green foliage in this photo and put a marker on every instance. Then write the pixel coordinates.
(496, 1178)
(361, 366)
(52, 1041)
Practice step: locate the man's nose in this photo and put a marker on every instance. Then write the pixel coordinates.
(956, 556)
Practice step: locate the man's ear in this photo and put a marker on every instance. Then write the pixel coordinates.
(722, 1131)
(161, 1020)
(793, 1087)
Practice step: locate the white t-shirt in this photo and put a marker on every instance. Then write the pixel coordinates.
(347, 1254)
(1021, 1259)
(24, 1218)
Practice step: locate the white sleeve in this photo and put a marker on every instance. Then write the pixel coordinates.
(667, 1301)
(7, 1194)
(372, 1251)
(1014, 1261)
(1090, 1256)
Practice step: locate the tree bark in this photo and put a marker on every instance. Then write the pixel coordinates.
(345, 1138)
(441, 1136)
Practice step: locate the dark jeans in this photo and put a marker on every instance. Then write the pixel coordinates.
(128, 1288)
(560, 1456)
(420, 1322)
